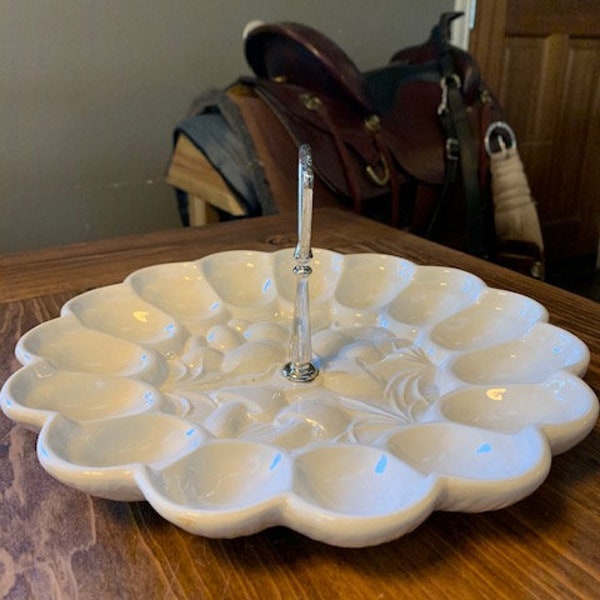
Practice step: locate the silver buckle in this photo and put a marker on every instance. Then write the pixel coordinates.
(502, 135)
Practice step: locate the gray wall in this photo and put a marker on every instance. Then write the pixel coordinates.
(90, 91)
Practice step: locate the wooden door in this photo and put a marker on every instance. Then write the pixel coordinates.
(542, 59)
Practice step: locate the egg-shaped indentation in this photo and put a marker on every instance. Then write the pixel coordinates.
(563, 407)
(351, 345)
(369, 281)
(261, 402)
(223, 337)
(39, 389)
(482, 469)
(67, 344)
(102, 457)
(268, 331)
(178, 289)
(496, 316)
(224, 475)
(326, 268)
(358, 480)
(308, 421)
(152, 439)
(532, 358)
(119, 311)
(328, 343)
(243, 279)
(237, 409)
(434, 294)
(253, 358)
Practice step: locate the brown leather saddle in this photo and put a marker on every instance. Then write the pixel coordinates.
(408, 135)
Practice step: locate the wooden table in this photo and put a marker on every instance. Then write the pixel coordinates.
(56, 542)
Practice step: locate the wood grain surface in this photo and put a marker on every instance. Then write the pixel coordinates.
(56, 542)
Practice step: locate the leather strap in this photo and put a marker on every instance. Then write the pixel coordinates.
(458, 132)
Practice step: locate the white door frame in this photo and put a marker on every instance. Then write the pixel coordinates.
(462, 27)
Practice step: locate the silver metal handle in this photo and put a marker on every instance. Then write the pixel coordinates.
(300, 369)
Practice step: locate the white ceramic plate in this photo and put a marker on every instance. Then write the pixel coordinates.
(435, 393)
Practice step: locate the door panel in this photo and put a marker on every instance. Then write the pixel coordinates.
(542, 59)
